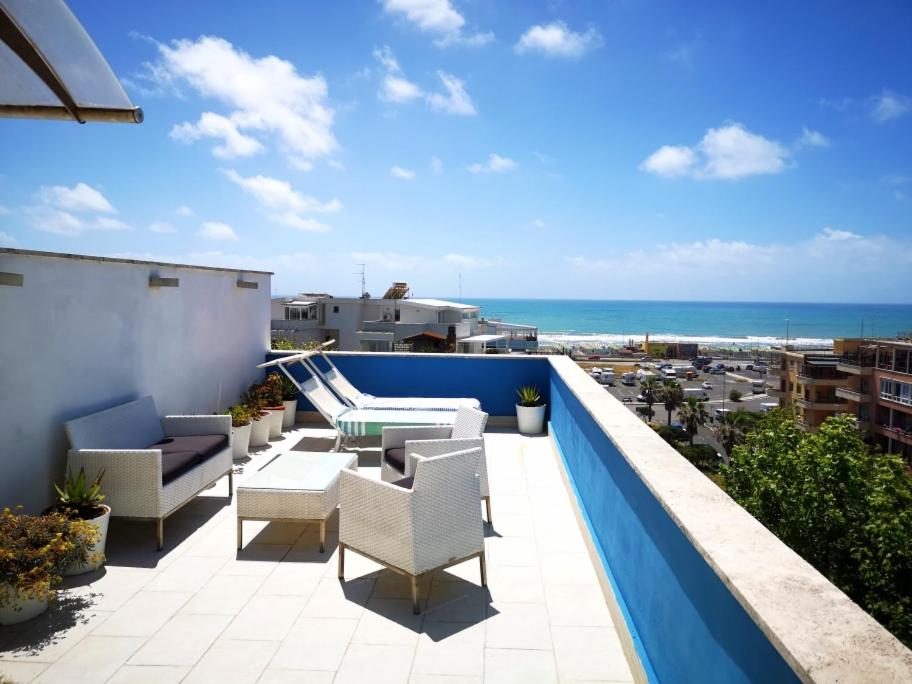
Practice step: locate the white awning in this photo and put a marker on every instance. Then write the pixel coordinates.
(51, 69)
(484, 339)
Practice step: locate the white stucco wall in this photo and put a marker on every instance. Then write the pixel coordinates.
(82, 335)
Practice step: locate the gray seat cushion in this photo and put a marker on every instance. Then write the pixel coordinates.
(181, 454)
(405, 482)
(396, 458)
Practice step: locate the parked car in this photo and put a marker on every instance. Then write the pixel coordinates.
(707, 385)
(717, 371)
(641, 398)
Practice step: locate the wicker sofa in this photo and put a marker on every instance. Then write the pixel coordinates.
(152, 466)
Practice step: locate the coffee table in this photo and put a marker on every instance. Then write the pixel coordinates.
(298, 486)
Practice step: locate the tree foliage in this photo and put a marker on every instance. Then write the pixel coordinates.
(672, 395)
(844, 507)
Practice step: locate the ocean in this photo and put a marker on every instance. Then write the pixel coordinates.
(748, 324)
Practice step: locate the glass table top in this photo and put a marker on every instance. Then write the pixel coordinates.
(303, 470)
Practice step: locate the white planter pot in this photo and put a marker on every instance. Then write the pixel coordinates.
(259, 430)
(288, 419)
(277, 413)
(22, 608)
(96, 554)
(240, 441)
(530, 419)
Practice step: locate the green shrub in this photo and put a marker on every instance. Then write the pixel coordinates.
(703, 456)
(844, 507)
(670, 434)
(734, 395)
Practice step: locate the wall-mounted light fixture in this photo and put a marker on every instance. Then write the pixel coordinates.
(156, 281)
(11, 279)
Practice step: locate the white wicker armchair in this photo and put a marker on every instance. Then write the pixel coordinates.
(433, 524)
(467, 433)
(122, 442)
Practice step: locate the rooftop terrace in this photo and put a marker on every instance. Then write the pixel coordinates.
(275, 612)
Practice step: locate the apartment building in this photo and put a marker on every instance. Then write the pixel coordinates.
(395, 322)
(808, 381)
(878, 389)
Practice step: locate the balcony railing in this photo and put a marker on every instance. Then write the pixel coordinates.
(821, 382)
(821, 404)
(678, 559)
(901, 434)
(852, 395)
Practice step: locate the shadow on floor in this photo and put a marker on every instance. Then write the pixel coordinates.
(36, 635)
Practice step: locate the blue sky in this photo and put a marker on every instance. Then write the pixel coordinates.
(625, 149)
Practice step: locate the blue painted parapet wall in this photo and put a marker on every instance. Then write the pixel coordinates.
(685, 623)
(491, 379)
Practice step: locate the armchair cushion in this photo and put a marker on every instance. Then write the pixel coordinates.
(405, 482)
(182, 454)
(128, 426)
(396, 458)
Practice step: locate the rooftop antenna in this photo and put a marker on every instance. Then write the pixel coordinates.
(361, 273)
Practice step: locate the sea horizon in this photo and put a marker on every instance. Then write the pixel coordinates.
(753, 324)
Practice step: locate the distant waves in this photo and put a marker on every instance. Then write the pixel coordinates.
(614, 340)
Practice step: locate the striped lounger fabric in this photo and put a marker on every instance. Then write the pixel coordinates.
(370, 422)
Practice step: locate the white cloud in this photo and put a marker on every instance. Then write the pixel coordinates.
(439, 18)
(161, 227)
(265, 96)
(436, 165)
(394, 87)
(399, 172)
(468, 261)
(540, 223)
(670, 161)
(455, 101)
(716, 268)
(495, 164)
(390, 260)
(213, 230)
(72, 211)
(838, 235)
(234, 143)
(557, 40)
(184, 210)
(7, 240)
(108, 223)
(728, 152)
(811, 138)
(80, 197)
(398, 89)
(888, 106)
(336, 164)
(4, 211)
(282, 203)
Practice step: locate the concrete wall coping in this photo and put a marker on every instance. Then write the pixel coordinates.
(118, 260)
(818, 630)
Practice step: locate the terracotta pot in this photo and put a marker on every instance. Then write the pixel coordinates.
(259, 430)
(291, 408)
(240, 441)
(275, 421)
(96, 553)
(23, 608)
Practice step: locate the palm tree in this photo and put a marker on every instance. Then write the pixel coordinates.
(692, 414)
(733, 427)
(651, 389)
(672, 396)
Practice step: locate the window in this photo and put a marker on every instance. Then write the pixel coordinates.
(441, 317)
(336, 308)
(863, 413)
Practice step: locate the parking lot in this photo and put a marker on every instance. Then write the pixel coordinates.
(722, 385)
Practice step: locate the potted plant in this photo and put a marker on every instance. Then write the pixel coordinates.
(273, 398)
(35, 551)
(80, 500)
(530, 411)
(259, 425)
(289, 401)
(240, 430)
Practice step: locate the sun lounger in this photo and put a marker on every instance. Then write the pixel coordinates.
(357, 422)
(353, 398)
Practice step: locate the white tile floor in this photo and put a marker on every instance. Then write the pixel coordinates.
(201, 612)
